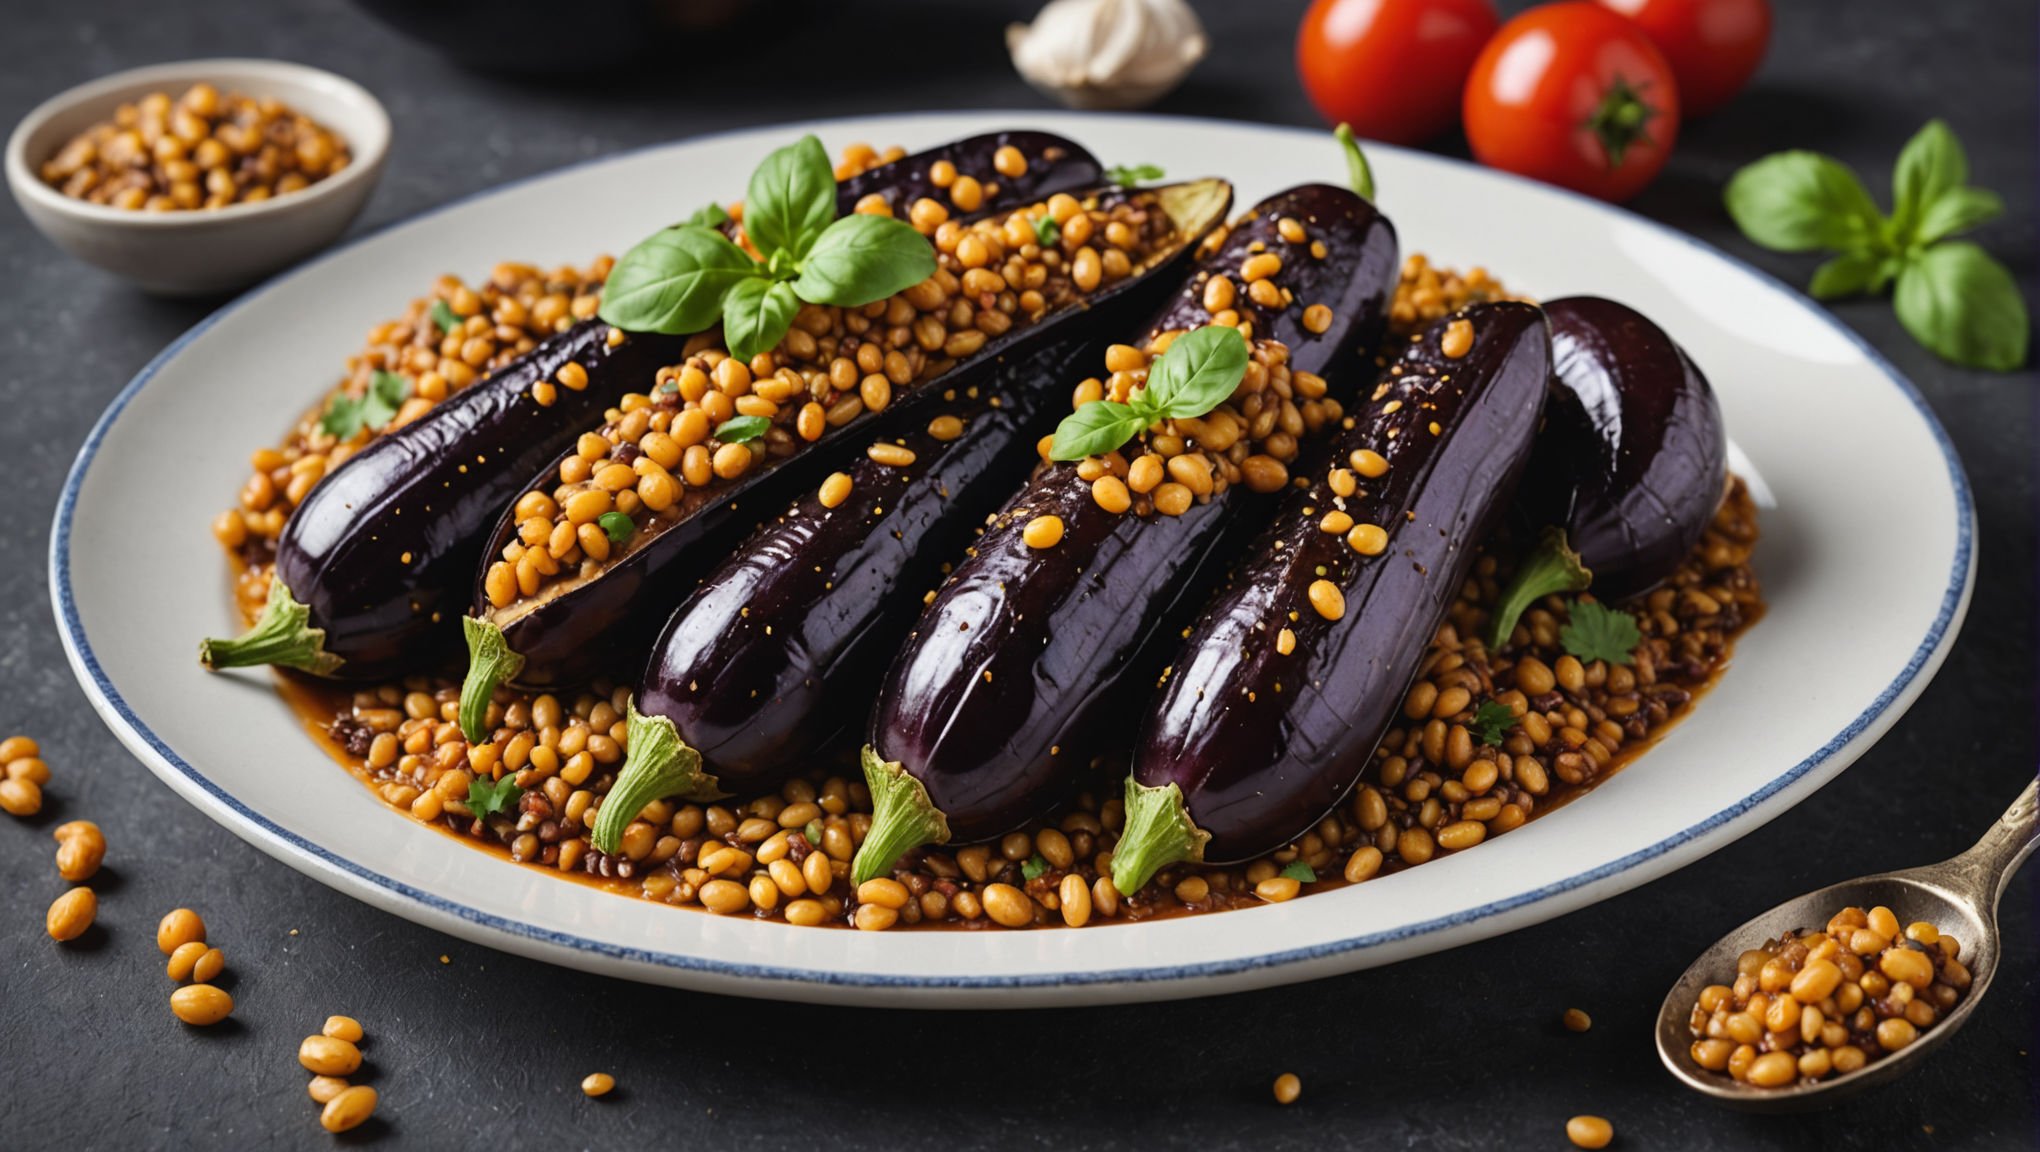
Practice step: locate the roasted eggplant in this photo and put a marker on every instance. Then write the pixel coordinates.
(1038, 165)
(1032, 645)
(606, 602)
(774, 654)
(366, 563)
(1286, 683)
(1629, 469)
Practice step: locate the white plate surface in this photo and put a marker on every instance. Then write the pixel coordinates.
(1855, 629)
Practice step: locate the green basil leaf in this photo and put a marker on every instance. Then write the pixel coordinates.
(791, 199)
(860, 258)
(1963, 306)
(1127, 176)
(444, 317)
(674, 281)
(1932, 165)
(1800, 201)
(709, 215)
(1201, 368)
(738, 429)
(1095, 428)
(1956, 211)
(1359, 173)
(756, 315)
(1850, 274)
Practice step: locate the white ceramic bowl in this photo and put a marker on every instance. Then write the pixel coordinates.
(200, 253)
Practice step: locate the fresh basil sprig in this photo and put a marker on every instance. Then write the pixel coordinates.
(1126, 176)
(1200, 369)
(687, 277)
(1951, 296)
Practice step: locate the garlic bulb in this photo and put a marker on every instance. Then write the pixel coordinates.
(1108, 53)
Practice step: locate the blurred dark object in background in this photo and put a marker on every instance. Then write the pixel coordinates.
(528, 37)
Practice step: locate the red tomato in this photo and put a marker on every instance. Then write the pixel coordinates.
(1713, 45)
(1393, 69)
(1574, 95)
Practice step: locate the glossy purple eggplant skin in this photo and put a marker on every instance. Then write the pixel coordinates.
(1264, 744)
(611, 621)
(1028, 656)
(776, 652)
(383, 549)
(1633, 459)
(1054, 164)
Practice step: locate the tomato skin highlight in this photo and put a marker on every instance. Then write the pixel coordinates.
(1713, 46)
(1574, 95)
(1393, 69)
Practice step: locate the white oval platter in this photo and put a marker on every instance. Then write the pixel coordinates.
(1846, 445)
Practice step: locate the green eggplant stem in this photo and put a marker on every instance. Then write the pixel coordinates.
(490, 662)
(1159, 832)
(282, 636)
(659, 765)
(1359, 173)
(902, 818)
(1550, 567)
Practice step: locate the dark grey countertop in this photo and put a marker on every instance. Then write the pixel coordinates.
(1458, 1050)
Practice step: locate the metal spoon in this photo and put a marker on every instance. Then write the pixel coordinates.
(1959, 896)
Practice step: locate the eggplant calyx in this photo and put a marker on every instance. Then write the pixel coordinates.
(1550, 567)
(658, 766)
(281, 636)
(1159, 832)
(491, 661)
(902, 818)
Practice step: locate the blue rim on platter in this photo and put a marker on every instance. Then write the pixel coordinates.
(116, 711)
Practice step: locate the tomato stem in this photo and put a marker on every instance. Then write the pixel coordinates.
(1622, 119)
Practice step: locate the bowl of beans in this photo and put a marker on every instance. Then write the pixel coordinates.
(200, 177)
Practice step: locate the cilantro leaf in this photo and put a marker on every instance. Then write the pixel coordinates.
(1035, 866)
(1597, 632)
(346, 416)
(1490, 722)
(486, 799)
(1127, 176)
(1300, 872)
(444, 317)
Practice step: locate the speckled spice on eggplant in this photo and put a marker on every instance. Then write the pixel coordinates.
(1633, 459)
(610, 622)
(778, 649)
(1028, 655)
(381, 550)
(1262, 744)
(1054, 164)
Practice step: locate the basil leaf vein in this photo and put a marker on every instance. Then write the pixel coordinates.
(791, 199)
(1201, 368)
(674, 281)
(860, 258)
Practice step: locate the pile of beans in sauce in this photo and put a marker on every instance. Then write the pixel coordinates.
(785, 855)
(1810, 1005)
(204, 150)
(659, 455)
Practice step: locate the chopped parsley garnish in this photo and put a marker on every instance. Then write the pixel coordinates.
(1299, 872)
(1597, 632)
(486, 799)
(1127, 176)
(616, 525)
(444, 317)
(1490, 722)
(346, 416)
(1035, 866)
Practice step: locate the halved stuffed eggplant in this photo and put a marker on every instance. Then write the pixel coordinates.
(1280, 692)
(1031, 646)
